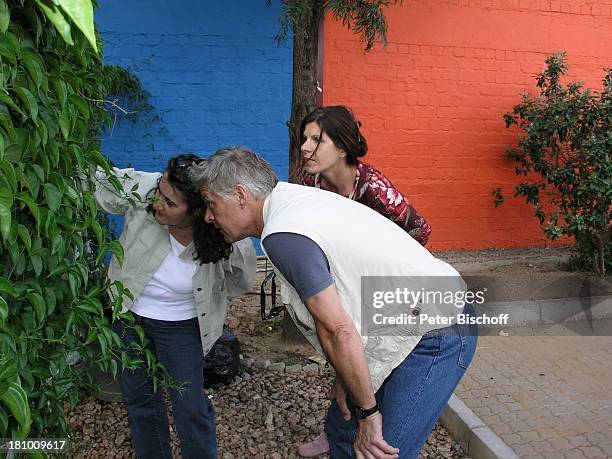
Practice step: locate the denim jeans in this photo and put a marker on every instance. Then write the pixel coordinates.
(413, 396)
(178, 347)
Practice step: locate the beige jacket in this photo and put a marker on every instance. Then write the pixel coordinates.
(146, 244)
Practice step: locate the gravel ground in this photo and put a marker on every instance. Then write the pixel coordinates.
(285, 409)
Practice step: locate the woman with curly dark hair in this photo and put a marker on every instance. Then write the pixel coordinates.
(181, 274)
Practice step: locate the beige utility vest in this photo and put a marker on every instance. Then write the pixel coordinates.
(357, 242)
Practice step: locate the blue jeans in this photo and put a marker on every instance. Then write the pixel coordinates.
(178, 347)
(413, 396)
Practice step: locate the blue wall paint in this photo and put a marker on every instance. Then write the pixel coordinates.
(215, 74)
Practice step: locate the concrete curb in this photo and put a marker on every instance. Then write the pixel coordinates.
(477, 440)
(546, 313)
(466, 267)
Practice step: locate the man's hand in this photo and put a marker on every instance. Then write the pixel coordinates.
(369, 443)
(338, 392)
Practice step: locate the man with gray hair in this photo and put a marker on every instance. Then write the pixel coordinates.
(390, 389)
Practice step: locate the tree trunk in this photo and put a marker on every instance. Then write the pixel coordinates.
(303, 101)
(304, 87)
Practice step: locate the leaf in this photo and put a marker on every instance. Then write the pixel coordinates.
(75, 283)
(50, 299)
(81, 13)
(97, 229)
(39, 172)
(8, 54)
(23, 138)
(90, 306)
(57, 246)
(24, 235)
(117, 249)
(16, 400)
(7, 123)
(64, 123)
(141, 335)
(113, 368)
(34, 66)
(58, 20)
(34, 210)
(76, 151)
(43, 132)
(61, 91)
(81, 105)
(5, 16)
(29, 101)
(6, 204)
(37, 264)
(103, 344)
(72, 194)
(9, 174)
(61, 268)
(7, 287)
(8, 369)
(51, 119)
(3, 421)
(91, 204)
(72, 318)
(50, 226)
(3, 310)
(53, 196)
(37, 454)
(37, 301)
(6, 99)
(91, 336)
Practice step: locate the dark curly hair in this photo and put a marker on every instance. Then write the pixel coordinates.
(210, 246)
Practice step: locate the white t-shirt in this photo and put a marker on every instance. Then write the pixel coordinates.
(169, 293)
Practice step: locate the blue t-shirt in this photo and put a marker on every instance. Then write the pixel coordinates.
(301, 261)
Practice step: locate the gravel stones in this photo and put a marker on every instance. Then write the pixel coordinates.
(263, 416)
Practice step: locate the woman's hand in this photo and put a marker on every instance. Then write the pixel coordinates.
(369, 443)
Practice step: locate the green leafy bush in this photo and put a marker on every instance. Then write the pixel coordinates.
(52, 242)
(566, 154)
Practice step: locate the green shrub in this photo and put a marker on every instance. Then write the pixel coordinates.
(52, 242)
(565, 155)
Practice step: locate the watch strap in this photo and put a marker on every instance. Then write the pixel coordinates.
(362, 413)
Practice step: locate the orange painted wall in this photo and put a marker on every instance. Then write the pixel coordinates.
(432, 102)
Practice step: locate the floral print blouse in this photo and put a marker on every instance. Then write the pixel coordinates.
(375, 190)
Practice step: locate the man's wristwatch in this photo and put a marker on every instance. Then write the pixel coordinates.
(362, 413)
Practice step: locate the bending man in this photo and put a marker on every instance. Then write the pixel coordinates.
(391, 386)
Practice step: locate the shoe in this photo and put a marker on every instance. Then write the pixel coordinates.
(314, 448)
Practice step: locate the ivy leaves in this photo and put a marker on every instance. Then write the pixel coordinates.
(51, 275)
(53, 243)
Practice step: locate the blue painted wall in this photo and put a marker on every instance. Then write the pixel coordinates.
(215, 74)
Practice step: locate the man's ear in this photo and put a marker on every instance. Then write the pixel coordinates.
(243, 195)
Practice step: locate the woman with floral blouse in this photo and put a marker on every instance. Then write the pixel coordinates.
(331, 147)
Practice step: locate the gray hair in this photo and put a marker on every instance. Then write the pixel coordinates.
(231, 166)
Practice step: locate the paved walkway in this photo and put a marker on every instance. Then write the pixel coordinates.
(545, 396)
